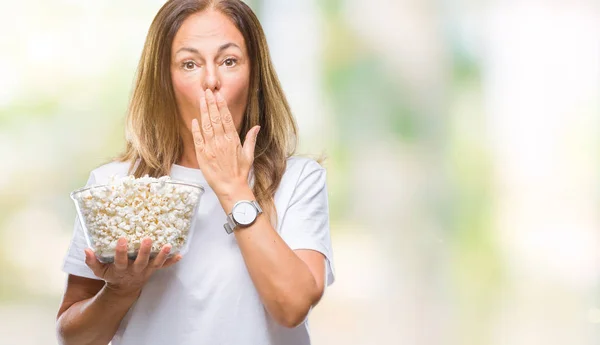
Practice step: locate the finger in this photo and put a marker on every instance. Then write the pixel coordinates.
(92, 262)
(121, 259)
(215, 115)
(143, 255)
(250, 143)
(228, 125)
(207, 129)
(172, 261)
(197, 134)
(160, 259)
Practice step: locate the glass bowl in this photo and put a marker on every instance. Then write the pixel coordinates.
(164, 210)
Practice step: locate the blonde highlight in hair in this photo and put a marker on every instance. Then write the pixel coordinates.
(153, 126)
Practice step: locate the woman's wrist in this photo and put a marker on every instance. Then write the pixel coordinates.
(121, 292)
(235, 194)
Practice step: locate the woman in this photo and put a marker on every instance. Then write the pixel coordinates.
(205, 80)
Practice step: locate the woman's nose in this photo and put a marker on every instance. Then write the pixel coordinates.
(211, 81)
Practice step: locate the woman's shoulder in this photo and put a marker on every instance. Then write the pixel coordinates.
(297, 169)
(103, 173)
(302, 165)
(302, 173)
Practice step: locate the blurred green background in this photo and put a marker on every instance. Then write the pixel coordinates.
(462, 154)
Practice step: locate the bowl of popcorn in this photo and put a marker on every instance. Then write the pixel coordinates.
(135, 208)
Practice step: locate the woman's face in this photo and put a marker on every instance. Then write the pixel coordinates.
(209, 52)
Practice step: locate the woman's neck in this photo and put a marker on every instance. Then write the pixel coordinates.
(188, 157)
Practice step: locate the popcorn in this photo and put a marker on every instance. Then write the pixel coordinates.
(158, 208)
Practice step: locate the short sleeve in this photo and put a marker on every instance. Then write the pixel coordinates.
(74, 262)
(305, 224)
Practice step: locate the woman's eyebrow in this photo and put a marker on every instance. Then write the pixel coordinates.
(221, 48)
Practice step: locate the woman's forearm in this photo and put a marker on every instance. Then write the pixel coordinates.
(94, 321)
(284, 282)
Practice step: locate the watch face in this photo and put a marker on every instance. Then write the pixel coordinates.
(244, 213)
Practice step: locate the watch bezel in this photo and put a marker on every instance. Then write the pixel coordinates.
(241, 202)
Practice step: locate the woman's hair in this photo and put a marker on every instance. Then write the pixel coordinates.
(153, 127)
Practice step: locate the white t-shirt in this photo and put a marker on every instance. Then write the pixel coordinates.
(208, 297)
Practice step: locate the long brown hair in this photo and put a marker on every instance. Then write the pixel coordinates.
(153, 128)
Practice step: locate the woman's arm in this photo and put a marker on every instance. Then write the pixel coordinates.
(91, 312)
(285, 282)
(289, 282)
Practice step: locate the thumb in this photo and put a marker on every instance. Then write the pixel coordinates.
(92, 262)
(250, 143)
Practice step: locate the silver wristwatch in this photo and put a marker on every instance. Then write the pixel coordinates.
(243, 214)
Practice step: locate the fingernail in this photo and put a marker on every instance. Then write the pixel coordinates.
(122, 241)
(257, 130)
(219, 97)
(195, 125)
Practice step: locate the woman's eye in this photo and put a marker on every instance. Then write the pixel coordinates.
(189, 65)
(230, 62)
